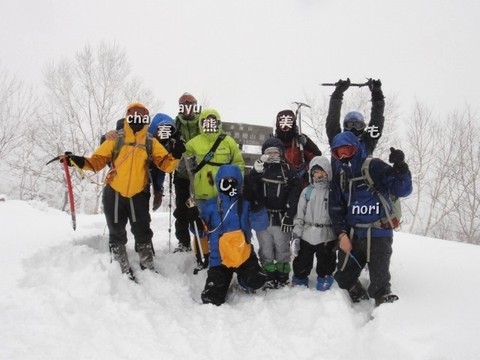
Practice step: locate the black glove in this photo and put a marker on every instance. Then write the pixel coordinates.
(302, 139)
(73, 159)
(340, 87)
(192, 214)
(157, 200)
(287, 224)
(375, 87)
(397, 157)
(178, 148)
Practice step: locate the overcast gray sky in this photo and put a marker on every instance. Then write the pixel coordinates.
(252, 58)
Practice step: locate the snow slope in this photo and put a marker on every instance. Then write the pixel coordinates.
(62, 298)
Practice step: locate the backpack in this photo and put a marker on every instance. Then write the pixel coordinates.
(391, 204)
(120, 141)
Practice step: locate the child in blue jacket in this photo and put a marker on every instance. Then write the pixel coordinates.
(230, 220)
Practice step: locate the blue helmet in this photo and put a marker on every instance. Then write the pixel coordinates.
(354, 121)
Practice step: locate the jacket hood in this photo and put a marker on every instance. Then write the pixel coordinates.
(324, 163)
(162, 119)
(349, 138)
(226, 171)
(205, 114)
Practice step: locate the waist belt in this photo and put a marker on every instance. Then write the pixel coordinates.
(318, 225)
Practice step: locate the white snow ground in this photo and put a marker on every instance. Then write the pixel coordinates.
(62, 298)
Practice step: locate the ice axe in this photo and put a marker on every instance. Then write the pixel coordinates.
(351, 84)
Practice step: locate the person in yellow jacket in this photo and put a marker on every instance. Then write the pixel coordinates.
(127, 192)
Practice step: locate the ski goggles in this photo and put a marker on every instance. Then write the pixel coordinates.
(344, 152)
(353, 124)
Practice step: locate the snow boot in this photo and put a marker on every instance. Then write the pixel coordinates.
(182, 248)
(358, 293)
(145, 252)
(119, 253)
(324, 283)
(271, 282)
(299, 282)
(387, 298)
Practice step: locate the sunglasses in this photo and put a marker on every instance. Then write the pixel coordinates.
(344, 152)
(357, 125)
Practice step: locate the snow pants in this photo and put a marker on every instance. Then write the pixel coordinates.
(118, 210)
(378, 267)
(249, 275)
(326, 259)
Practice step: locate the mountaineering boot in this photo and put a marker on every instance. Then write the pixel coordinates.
(182, 248)
(387, 298)
(270, 282)
(358, 293)
(324, 283)
(282, 278)
(145, 253)
(119, 253)
(299, 282)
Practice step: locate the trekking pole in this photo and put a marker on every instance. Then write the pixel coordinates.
(351, 84)
(68, 182)
(170, 213)
(190, 203)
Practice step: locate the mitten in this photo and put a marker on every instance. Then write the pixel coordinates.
(178, 148)
(295, 247)
(302, 139)
(397, 157)
(340, 87)
(73, 159)
(375, 87)
(157, 200)
(287, 224)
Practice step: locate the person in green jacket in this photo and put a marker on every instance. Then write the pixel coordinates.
(186, 123)
(207, 157)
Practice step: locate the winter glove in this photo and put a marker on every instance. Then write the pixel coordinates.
(397, 157)
(192, 214)
(302, 139)
(178, 148)
(157, 200)
(340, 87)
(375, 87)
(259, 164)
(73, 159)
(287, 224)
(294, 247)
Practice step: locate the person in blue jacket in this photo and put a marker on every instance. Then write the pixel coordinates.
(230, 214)
(163, 128)
(358, 217)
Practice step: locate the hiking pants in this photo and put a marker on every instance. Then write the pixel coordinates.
(182, 193)
(378, 267)
(118, 210)
(326, 259)
(274, 245)
(249, 274)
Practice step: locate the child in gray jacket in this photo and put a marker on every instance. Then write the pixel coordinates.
(313, 233)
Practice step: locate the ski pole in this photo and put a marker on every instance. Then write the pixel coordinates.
(298, 115)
